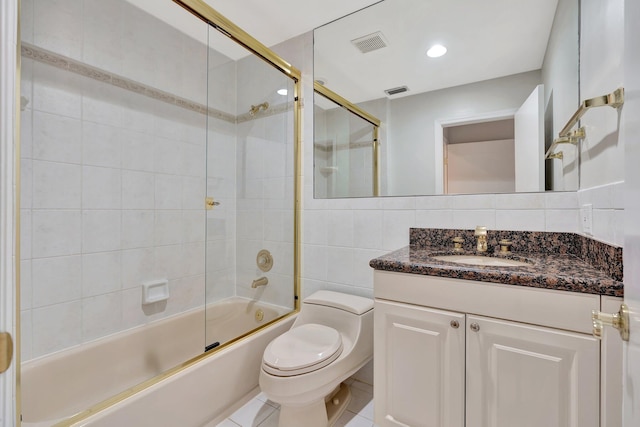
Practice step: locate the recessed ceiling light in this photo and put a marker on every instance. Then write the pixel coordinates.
(283, 92)
(436, 51)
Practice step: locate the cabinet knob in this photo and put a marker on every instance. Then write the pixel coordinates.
(454, 324)
(474, 327)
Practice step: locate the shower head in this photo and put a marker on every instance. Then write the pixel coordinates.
(256, 108)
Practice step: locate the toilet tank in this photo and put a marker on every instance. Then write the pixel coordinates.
(343, 312)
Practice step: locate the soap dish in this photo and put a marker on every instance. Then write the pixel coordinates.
(154, 291)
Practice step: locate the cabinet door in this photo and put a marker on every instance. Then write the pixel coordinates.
(418, 366)
(528, 376)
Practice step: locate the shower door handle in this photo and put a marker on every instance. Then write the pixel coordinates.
(209, 203)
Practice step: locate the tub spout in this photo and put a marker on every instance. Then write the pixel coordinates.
(260, 282)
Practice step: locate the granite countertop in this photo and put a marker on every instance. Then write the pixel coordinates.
(557, 270)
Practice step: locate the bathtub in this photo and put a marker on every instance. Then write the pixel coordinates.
(58, 386)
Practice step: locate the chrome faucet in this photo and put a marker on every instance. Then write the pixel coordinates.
(481, 234)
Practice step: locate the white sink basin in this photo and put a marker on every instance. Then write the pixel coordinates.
(481, 260)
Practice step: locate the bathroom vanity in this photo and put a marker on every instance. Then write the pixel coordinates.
(483, 345)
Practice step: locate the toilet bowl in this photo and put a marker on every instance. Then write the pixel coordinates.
(303, 369)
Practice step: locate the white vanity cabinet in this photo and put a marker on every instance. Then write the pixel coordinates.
(458, 353)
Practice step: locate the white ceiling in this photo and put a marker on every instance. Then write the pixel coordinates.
(275, 21)
(486, 39)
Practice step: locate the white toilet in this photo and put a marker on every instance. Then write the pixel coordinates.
(303, 368)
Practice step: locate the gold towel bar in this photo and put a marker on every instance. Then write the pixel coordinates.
(614, 99)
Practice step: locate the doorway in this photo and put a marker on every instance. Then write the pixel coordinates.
(479, 158)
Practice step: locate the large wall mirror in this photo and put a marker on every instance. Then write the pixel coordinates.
(477, 119)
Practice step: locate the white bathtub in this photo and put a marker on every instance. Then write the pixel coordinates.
(58, 386)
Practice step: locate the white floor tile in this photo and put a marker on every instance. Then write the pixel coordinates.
(349, 419)
(272, 420)
(252, 414)
(361, 403)
(263, 398)
(227, 423)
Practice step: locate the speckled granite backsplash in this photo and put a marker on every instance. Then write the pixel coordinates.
(600, 255)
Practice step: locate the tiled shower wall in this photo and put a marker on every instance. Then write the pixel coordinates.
(112, 181)
(118, 153)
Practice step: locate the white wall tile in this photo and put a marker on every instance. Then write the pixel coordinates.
(101, 231)
(137, 229)
(561, 200)
(56, 233)
(55, 327)
(395, 228)
(315, 262)
(315, 227)
(56, 280)
(434, 202)
(101, 188)
(193, 192)
(470, 219)
(168, 262)
(56, 185)
(26, 134)
(57, 27)
(138, 190)
(434, 218)
(138, 148)
(26, 234)
(362, 272)
(167, 156)
(57, 91)
(520, 201)
(475, 201)
(101, 145)
(520, 220)
(56, 138)
(340, 264)
(193, 258)
(340, 228)
(168, 228)
(193, 160)
(26, 183)
(193, 226)
(397, 203)
(101, 103)
(25, 285)
(168, 193)
(562, 220)
(101, 315)
(137, 267)
(367, 229)
(101, 273)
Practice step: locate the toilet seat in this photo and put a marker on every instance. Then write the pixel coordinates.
(303, 349)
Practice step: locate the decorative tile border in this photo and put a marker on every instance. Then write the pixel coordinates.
(328, 148)
(64, 63)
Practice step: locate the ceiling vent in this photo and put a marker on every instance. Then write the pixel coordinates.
(396, 90)
(370, 42)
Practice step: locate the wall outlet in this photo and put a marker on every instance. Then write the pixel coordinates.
(586, 219)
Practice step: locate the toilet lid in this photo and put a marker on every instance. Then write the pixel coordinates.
(303, 349)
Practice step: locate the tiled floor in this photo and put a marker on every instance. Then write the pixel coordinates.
(260, 412)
